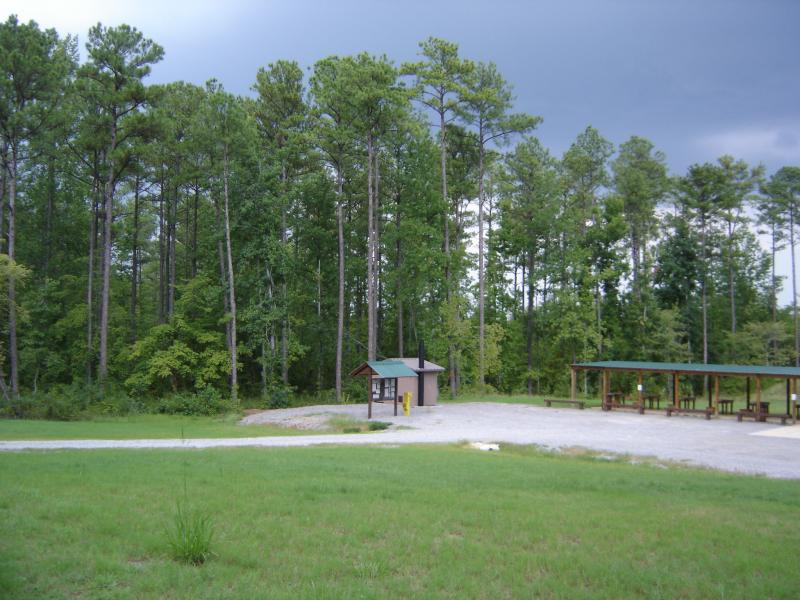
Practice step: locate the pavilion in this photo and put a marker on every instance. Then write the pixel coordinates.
(712, 371)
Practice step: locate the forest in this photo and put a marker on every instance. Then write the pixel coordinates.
(180, 248)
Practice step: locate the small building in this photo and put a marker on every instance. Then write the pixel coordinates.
(389, 379)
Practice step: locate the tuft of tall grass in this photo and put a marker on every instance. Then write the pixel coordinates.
(189, 535)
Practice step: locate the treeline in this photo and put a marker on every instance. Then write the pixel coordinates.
(154, 235)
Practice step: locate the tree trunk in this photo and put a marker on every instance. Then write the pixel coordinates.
(90, 282)
(284, 291)
(398, 293)
(48, 218)
(598, 305)
(451, 359)
(481, 278)
(731, 278)
(3, 186)
(12, 292)
(223, 275)
(105, 297)
(340, 308)
(774, 280)
(162, 254)
(194, 230)
(376, 265)
(108, 220)
(319, 325)
(529, 320)
(704, 290)
(231, 290)
(171, 243)
(371, 345)
(270, 328)
(794, 291)
(637, 288)
(135, 259)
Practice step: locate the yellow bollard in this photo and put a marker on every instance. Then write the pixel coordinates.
(407, 403)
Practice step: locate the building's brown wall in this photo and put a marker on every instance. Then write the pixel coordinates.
(431, 388)
(407, 384)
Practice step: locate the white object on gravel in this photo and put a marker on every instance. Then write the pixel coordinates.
(485, 447)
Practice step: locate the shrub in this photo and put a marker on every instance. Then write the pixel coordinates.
(278, 398)
(71, 402)
(208, 401)
(189, 535)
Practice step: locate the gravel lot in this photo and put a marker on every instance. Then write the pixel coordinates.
(721, 443)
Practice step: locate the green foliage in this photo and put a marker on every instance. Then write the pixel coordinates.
(207, 401)
(188, 353)
(582, 255)
(278, 398)
(189, 535)
(69, 402)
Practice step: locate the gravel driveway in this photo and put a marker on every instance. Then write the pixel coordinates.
(722, 443)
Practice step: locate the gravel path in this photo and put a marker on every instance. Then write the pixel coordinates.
(724, 444)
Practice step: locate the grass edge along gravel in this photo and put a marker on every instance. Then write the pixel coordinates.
(156, 426)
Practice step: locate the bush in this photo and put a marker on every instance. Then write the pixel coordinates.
(189, 536)
(71, 402)
(279, 398)
(207, 401)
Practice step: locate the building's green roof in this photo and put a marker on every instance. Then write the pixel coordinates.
(389, 369)
(692, 368)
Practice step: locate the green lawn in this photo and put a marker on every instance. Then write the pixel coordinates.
(136, 427)
(410, 522)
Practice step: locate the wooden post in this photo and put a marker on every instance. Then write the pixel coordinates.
(573, 384)
(748, 393)
(708, 390)
(758, 397)
(675, 390)
(396, 398)
(640, 390)
(788, 398)
(716, 394)
(606, 389)
(369, 396)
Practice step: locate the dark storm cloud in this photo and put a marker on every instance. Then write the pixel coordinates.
(699, 78)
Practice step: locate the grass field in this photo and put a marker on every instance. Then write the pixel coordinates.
(158, 426)
(411, 522)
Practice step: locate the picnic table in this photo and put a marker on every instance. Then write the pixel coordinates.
(652, 399)
(725, 406)
(617, 397)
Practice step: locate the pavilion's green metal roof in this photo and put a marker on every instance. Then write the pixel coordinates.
(692, 368)
(389, 369)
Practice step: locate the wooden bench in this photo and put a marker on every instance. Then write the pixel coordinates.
(761, 417)
(635, 406)
(691, 411)
(579, 403)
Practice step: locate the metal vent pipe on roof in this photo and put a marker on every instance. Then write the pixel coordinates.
(421, 380)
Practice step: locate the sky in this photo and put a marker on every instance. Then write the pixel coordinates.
(699, 78)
